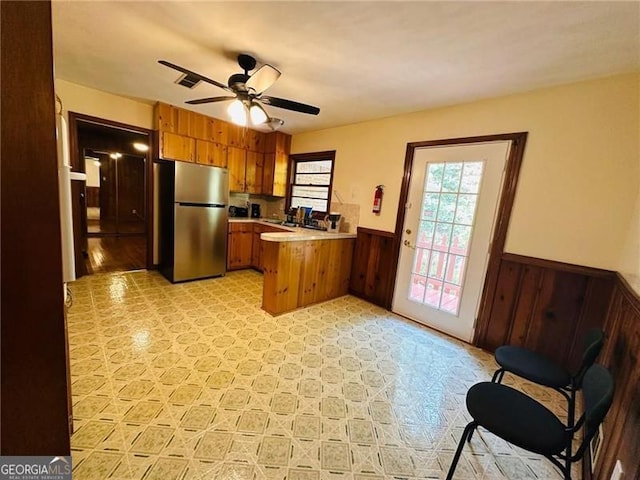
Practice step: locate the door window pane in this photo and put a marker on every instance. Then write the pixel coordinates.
(447, 208)
(466, 209)
(444, 233)
(430, 206)
(421, 261)
(434, 177)
(425, 234)
(417, 288)
(451, 178)
(471, 177)
(461, 239)
(442, 237)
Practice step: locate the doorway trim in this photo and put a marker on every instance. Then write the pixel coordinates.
(503, 216)
(75, 159)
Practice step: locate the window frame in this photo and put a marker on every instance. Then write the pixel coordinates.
(296, 158)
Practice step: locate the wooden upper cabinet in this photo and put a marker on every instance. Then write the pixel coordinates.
(218, 131)
(276, 162)
(236, 163)
(177, 147)
(255, 141)
(278, 143)
(235, 136)
(257, 161)
(199, 126)
(211, 153)
(253, 175)
(164, 118)
(173, 119)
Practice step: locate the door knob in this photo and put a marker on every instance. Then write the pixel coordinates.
(407, 243)
(408, 231)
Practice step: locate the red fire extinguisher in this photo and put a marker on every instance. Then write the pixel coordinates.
(377, 199)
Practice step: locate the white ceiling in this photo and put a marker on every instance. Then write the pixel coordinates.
(355, 60)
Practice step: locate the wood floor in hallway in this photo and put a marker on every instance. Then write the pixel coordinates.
(116, 254)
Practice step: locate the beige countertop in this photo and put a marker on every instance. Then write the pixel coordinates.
(292, 234)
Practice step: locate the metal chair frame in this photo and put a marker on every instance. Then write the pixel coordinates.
(601, 405)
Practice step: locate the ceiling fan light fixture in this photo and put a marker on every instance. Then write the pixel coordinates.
(238, 113)
(257, 114)
(274, 123)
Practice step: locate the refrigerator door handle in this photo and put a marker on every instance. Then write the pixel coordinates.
(192, 204)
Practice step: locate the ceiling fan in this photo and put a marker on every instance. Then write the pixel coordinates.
(247, 90)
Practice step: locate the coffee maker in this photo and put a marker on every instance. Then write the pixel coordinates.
(333, 221)
(255, 210)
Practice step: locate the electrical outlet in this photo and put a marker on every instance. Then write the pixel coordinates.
(617, 473)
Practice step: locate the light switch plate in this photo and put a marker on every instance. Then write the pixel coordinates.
(617, 473)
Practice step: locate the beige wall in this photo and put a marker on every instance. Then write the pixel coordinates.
(579, 178)
(79, 99)
(630, 262)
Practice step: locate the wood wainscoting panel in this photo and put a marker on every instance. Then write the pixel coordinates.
(372, 268)
(621, 429)
(546, 306)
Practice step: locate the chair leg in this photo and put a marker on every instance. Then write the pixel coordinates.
(570, 423)
(497, 376)
(467, 431)
(471, 433)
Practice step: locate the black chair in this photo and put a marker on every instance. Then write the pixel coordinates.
(539, 369)
(522, 421)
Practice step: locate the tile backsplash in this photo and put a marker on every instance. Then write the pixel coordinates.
(350, 215)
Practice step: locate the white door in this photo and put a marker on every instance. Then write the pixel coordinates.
(449, 218)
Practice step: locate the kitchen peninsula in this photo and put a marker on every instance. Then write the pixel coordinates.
(302, 266)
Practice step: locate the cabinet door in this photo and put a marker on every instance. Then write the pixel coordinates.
(267, 173)
(177, 147)
(253, 174)
(166, 117)
(280, 178)
(210, 153)
(236, 162)
(239, 245)
(183, 126)
(198, 126)
(276, 162)
(218, 131)
(255, 141)
(236, 136)
(256, 260)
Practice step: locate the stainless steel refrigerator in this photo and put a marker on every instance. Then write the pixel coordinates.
(193, 220)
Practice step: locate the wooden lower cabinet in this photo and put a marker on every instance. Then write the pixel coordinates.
(256, 251)
(244, 246)
(301, 273)
(239, 246)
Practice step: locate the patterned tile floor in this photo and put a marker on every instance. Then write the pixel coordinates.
(195, 381)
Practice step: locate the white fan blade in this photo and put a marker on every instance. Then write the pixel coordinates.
(262, 78)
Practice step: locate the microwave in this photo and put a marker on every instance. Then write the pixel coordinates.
(238, 211)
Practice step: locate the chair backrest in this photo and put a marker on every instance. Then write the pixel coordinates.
(597, 389)
(593, 342)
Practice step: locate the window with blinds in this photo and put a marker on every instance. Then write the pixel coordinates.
(311, 180)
